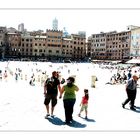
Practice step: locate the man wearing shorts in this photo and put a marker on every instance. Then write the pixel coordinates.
(51, 87)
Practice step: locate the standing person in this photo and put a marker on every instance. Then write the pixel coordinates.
(51, 87)
(5, 75)
(32, 80)
(131, 90)
(84, 103)
(124, 77)
(129, 75)
(16, 76)
(69, 98)
(0, 75)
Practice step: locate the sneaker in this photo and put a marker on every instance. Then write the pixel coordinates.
(52, 116)
(85, 117)
(47, 116)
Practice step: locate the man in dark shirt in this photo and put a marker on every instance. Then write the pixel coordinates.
(51, 87)
(131, 90)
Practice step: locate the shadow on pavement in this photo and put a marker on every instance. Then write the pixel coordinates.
(88, 119)
(137, 109)
(58, 121)
(76, 124)
(55, 121)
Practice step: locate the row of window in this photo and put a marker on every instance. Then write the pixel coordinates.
(27, 40)
(36, 44)
(54, 45)
(42, 51)
(115, 46)
(78, 39)
(120, 38)
(123, 45)
(66, 46)
(98, 40)
(108, 54)
(78, 43)
(111, 35)
(99, 35)
(110, 39)
(54, 40)
(40, 39)
(57, 37)
(97, 45)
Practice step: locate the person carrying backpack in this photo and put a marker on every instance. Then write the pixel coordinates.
(51, 87)
(131, 90)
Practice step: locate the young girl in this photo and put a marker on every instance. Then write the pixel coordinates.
(84, 103)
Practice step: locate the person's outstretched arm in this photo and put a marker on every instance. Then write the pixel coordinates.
(61, 92)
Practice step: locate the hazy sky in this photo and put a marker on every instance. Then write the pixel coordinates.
(70, 4)
(89, 16)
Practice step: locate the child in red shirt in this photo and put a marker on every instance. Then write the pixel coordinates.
(84, 103)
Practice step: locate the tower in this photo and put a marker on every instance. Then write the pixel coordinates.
(55, 24)
(21, 27)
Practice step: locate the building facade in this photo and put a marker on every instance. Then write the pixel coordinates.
(54, 44)
(14, 40)
(26, 46)
(79, 46)
(135, 42)
(110, 46)
(67, 48)
(2, 41)
(98, 46)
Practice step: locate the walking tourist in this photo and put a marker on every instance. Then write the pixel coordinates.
(69, 98)
(131, 90)
(84, 103)
(51, 87)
